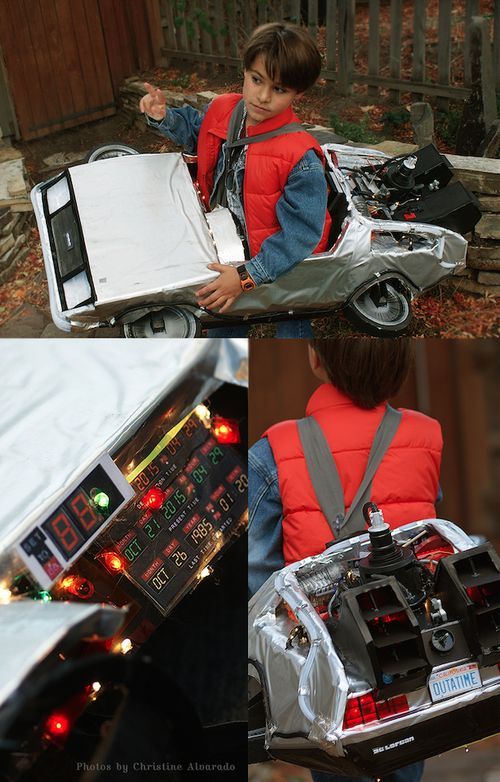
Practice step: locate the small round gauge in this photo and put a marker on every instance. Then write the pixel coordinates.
(442, 640)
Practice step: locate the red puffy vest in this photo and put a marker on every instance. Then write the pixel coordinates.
(405, 486)
(268, 165)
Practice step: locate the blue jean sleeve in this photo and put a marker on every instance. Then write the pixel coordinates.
(265, 511)
(182, 126)
(301, 214)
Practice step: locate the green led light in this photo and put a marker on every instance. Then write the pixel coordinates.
(45, 597)
(101, 499)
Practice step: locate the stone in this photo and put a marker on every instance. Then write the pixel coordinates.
(491, 144)
(391, 148)
(488, 227)
(479, 174)
(12, 182)
(7, 270)
(206, 97)
(63, 159)
(422, 120)
(487, 258)
(8, 153)
(6, 244)
(5, 217)
(27, 321)
(471, 286)
(489, 278)
(490, 203)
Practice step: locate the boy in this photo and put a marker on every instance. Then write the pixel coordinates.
(286, 523)
(276, 188)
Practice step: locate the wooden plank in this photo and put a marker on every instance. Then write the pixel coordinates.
(180, 23)
(139, 31)
(400, 85)
(312, 18)
(53, 38)
(374, 43)
(331, 35)
(346, 45)
(15, 65)
(395, 45)
(232, 28)
(94, 62)
(219, 23)
(295, 11)
(204, 22)
(214, 59)
(192, 25)
(418, 68)
(155, 28)
(122, 22)
(496, 45)
(29, 97)
(247, 17)
(471, 9)
(261, 11)
(169, 28)
(444, 48)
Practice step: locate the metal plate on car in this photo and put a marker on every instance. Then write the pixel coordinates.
(454, 681)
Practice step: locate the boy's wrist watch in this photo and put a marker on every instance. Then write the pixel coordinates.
(246, 282)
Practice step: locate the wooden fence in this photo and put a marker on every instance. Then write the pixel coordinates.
(418, 46)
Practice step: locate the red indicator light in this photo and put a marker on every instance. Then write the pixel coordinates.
(77, 586)
(226, 431)
(112, 562)
(57, 726)
(410, 216)
(154, 498)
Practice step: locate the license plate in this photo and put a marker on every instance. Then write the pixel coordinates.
(453, 681)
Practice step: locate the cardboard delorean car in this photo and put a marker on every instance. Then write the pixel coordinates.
(127, 241)
(381, 651)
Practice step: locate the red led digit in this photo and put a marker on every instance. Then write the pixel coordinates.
(83, 511)
(65, 533)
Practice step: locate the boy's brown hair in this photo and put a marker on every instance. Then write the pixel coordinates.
(368, 371)
(291, 56)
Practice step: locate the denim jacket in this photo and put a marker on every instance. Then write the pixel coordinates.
(300, 210)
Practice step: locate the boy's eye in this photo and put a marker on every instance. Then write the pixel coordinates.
(255, 79)
(280, 90)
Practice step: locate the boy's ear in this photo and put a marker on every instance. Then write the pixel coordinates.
(298, 95)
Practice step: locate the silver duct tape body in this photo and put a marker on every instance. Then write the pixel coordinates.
(148, 242)
(307, 686)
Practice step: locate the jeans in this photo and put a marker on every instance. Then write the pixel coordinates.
(411, 773)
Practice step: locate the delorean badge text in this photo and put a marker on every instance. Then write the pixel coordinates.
(394, 745)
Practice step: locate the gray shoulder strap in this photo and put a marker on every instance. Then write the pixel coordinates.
(322, 471)
(292, 127)
(235, 121)
(325, 477)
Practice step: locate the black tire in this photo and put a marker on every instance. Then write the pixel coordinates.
(171, 321)
(382, 310)
(109, 150)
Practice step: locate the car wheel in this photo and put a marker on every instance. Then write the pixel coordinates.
(169, 322)
(383, 309)
(109, 150)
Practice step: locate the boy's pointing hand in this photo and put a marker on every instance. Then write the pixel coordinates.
(222, 292)
(153, 103)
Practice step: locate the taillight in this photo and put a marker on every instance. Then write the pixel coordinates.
(365, 709)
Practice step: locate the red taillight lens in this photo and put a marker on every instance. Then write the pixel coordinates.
(365, 709)
(226, 430)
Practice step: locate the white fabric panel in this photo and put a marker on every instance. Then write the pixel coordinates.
(143, 225)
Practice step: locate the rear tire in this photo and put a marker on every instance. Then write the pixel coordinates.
(109, 150)
(170, 322)
(382, 310)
